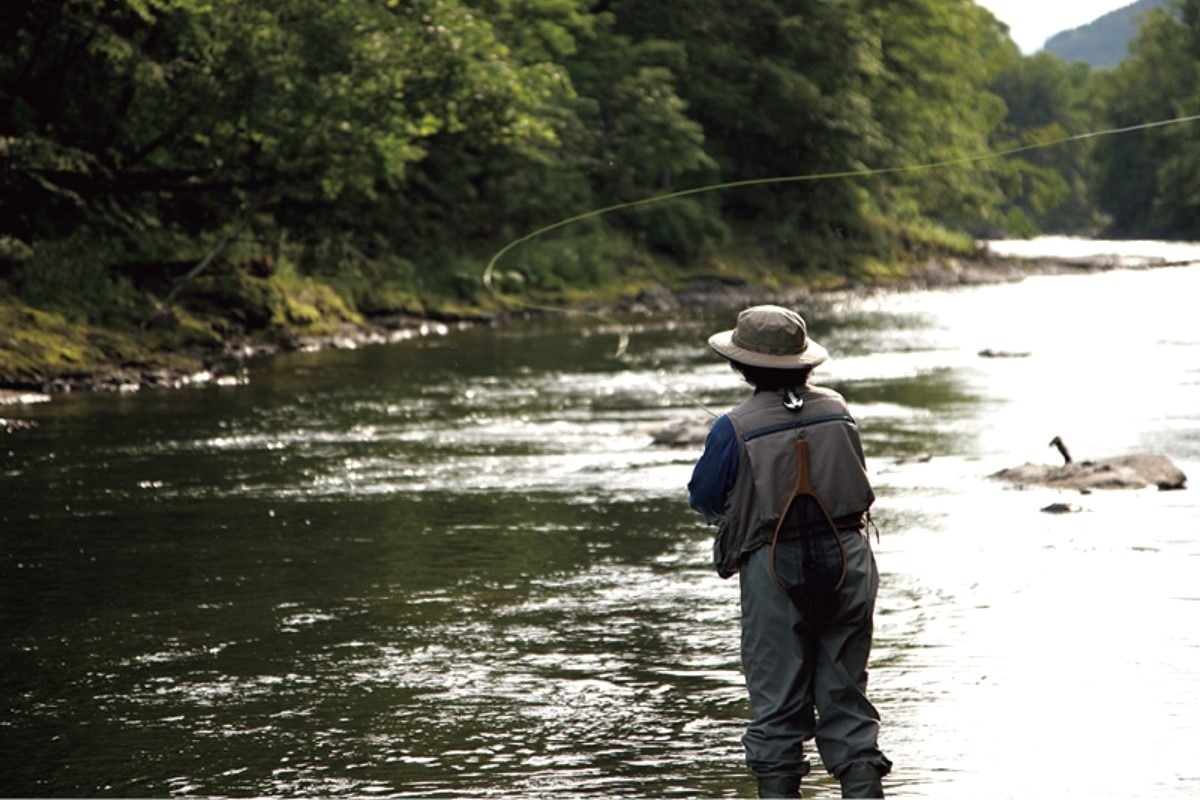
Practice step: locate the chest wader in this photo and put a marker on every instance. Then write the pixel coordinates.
(816, 596)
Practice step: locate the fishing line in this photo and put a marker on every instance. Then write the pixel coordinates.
(813, 177)
(623, 336)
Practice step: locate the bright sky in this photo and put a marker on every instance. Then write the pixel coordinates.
(1032, 22)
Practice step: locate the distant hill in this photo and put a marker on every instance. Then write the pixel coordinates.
(1105, 41)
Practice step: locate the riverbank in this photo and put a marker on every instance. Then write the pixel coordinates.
(46, 355)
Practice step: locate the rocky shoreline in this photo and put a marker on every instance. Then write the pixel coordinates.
(224, 367)
(227, 366)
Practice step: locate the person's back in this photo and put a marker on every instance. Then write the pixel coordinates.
(783, 477)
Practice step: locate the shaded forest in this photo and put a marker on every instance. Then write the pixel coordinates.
(198, 169)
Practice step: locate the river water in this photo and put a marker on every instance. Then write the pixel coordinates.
(457, 565)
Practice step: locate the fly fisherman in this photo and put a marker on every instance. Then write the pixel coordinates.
(783, 478)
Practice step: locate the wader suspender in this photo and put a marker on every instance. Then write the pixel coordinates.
(804, 487)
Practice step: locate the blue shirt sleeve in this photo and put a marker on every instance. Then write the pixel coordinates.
(715, 472)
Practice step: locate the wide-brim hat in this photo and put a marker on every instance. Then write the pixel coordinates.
(769, 336)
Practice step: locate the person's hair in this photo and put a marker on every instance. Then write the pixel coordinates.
(772, 379)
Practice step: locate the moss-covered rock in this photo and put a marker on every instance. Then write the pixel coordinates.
(39, 347)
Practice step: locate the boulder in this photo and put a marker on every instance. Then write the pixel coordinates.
(1135, 471)
(1061, 508)
(684, 433)
(988, 352)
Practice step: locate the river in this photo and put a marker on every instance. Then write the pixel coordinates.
(457, 566)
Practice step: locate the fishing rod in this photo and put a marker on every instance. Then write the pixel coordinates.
(657, 378)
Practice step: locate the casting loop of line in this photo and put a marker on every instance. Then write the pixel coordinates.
(623, 343)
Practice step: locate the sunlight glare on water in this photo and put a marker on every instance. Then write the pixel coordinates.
(1059, 654)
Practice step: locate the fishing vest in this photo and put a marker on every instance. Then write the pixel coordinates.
(766, 433)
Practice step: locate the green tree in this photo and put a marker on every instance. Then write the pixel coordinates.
(932, 97)
(158, 122)
(808, 87)
(1149, 180)
(642, 140)
(624, 134)
(1047, 101)
(780, 89)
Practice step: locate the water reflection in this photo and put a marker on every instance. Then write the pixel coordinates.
(458, 566)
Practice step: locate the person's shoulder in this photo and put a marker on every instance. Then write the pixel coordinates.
(723, 428)
(824, 392)
(823, 400)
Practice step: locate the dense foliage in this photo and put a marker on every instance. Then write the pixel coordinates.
(1149, 181)
(369, 154)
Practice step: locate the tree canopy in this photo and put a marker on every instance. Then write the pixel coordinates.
(393, 143)
(1149, 181)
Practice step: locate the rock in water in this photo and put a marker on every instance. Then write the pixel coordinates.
(685, 433)
(988, 352)
(1135, 471)
(1061, 508)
